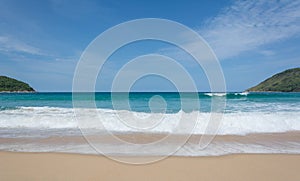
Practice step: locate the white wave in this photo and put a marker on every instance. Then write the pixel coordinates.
(215, 94)
(242, 93)
(233, 123)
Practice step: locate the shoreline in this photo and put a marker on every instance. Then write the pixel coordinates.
(143, 156)
(267, 143)
(63, 166)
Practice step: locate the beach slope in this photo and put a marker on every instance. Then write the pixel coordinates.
(56, 166)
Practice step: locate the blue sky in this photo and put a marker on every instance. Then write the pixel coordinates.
(41, 41)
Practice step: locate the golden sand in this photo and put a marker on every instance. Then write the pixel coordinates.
(57, 166)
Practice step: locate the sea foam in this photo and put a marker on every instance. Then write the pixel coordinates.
(236, 123)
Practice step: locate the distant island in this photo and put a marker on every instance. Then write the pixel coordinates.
(12, 85)
(286, 81)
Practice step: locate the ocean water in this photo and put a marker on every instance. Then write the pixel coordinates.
(47, 122)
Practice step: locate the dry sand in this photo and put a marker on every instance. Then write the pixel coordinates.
(57, 166)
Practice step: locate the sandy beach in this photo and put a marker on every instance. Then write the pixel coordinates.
(58, 166)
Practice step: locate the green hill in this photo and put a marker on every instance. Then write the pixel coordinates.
(12, 85)
(286, 81)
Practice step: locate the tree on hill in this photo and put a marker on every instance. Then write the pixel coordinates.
(12, 85)
(286, 81)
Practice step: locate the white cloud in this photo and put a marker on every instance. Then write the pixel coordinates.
(248, 25)
(9, 44)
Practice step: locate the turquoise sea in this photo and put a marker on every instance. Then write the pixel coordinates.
(28, 118)
(235, 102)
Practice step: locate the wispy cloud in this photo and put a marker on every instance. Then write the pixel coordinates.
(248, 25)
(9, 44)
